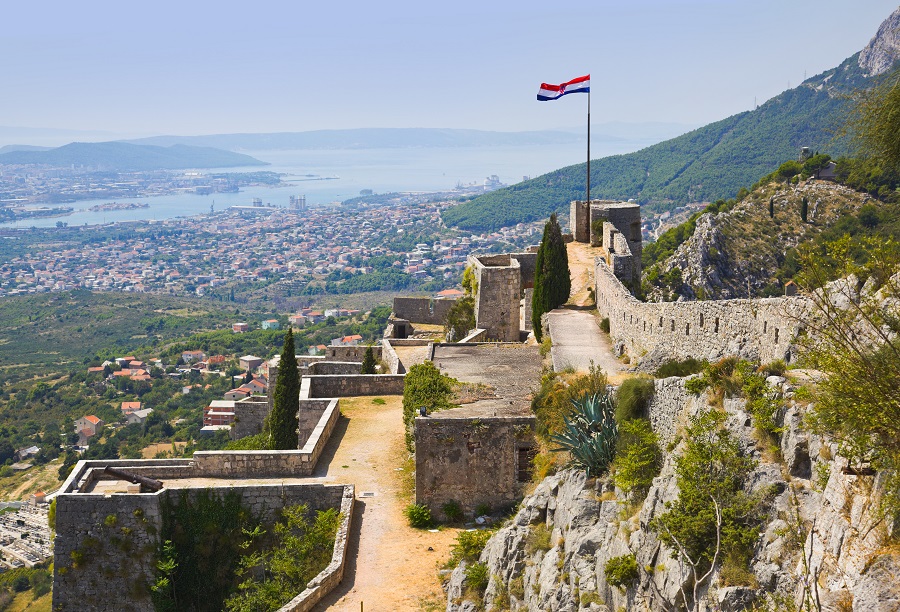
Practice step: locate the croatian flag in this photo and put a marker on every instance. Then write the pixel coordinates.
(553, 92)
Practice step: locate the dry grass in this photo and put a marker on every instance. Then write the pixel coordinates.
(21, 485)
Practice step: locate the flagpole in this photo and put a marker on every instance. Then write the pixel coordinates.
(589, 150)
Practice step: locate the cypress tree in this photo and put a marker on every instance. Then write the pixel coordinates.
(283, 423)
(772, 207)
(552, 284)
(368, 363)
(804, 209)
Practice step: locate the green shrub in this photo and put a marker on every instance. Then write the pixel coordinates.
(621, 571)
(258, 442)
(553, 402)
(468, 545)
(590, 432)
(633, 398)
(681, 368)
(712, 468)
(477, 577)
(424, 386)
(638, 458)
(483, 510)
(419, 516)
(589, 597)
(775, 368)
(538, 539)
(452, 512)
(604, 325)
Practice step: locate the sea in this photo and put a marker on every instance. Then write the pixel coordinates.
(333, 175)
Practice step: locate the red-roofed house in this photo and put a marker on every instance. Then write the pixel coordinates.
(128, 407)
(89, 423)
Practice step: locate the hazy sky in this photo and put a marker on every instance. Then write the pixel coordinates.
(212, 67)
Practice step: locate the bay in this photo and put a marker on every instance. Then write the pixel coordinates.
(333, 175)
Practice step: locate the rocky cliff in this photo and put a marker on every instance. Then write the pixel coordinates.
(884, 49)
(822, 540)
(737, 254)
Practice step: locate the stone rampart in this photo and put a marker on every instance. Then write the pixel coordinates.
(249, 416)
(472, 461)
(351, 385)
(336, 367)
(498, 301)
(422, 309)
(105, 547)
(350, 353)
(759, 329)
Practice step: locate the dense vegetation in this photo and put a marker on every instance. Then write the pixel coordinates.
(215, 555)
(706, 164)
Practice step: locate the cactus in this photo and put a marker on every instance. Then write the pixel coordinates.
(590, 433)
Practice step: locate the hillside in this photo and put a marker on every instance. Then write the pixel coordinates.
(126, 156)
(745, 249)
(706, 164)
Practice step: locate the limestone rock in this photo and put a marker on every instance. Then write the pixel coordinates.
(884, 49)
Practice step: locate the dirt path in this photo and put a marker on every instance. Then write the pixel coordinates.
(390, 566)
(581, 270)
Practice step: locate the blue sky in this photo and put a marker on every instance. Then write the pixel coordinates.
(203, 67)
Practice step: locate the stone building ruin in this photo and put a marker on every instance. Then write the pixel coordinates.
(615, 227)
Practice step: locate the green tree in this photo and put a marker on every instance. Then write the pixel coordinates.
(552, 283)
(368, 363)
(804, 209)
(875, 122)
(282, 422)
(460, 318)
(853, 340)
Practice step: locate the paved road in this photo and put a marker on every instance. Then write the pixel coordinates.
(577, 340)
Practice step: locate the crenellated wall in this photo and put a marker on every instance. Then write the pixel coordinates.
(762, 329)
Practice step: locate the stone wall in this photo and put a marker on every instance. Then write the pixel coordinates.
(498, 301)
(760, 329)
(422, 309)
(351, 385)
(336, 367)
(350, 353)
(105, 546)
(472, 461)
(249, 416)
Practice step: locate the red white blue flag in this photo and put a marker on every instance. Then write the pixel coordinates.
(553, 92)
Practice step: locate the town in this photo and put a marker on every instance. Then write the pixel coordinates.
(255, 250)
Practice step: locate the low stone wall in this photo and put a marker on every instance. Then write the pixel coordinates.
(262, 464)
(335, 367)
(761, 329)
(350, 353)
(390, 358)
(422, 309)
(472, 461)
(105, 546)
(351, 385)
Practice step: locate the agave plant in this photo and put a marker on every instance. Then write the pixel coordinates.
(590, 433)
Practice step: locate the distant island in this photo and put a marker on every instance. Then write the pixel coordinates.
(117, 206)
(128, 156)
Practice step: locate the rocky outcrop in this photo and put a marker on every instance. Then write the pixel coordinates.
(737, 253)
(821, 538)
(883, 50)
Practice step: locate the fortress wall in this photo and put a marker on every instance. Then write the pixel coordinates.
(336, 367)
(472, 461)
(422, 310)
(106, 546)
(249, 416)
(349, 353)
(760, 329)
(499, 296)
(354, 385)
